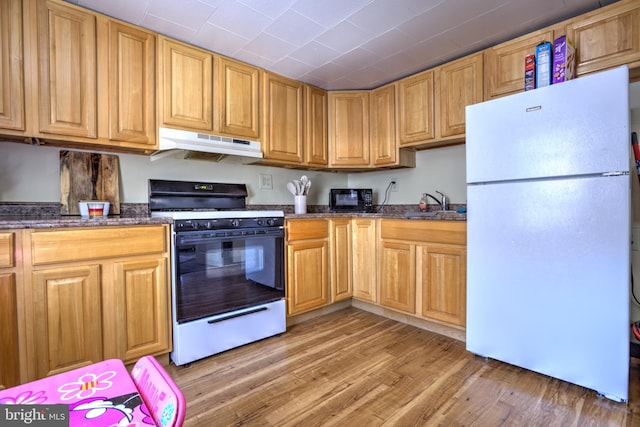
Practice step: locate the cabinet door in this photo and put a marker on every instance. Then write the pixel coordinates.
(383, 125)
(66, 312)
(397, 276)
(9, 356)
(11, 66)
(415, 108)
(307, 275)
(364, 259)
(442, 278)
(504, 64)
(606, 39)
(67, 70)
(459, 84)
(349, 140)
(340, 244)
(140, 298)
(186, 80)
(315, 127)
(131, 54)
(238, 98)
(282, 108)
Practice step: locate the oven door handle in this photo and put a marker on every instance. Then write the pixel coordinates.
(182, 240)
(233, 316)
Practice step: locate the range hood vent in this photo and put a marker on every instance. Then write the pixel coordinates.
(203, 146)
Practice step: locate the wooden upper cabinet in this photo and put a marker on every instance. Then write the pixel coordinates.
(238, 89)
(349, 140)
(67, 70)
(504, 64)
(315, 127)
(459, 83)
(11, 66)
(129, 55)
(607, 37)
(383, 125)
(415, 108)
(282, 112)
(185, 95)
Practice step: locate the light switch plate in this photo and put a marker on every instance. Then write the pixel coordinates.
(266, 181)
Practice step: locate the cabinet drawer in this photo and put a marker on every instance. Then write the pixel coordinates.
(451, 232)
(6, 249)
(82, 244)
(307, 229)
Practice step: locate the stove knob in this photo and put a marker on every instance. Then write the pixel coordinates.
(207, 225)
(194, 225)
(235, 222)
(269, 222)
(259, 222)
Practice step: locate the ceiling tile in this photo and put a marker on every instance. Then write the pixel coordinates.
(134, 11)
(192, 13)
(356, 58)
(168, 28)
(295, 28)
(328, 13)
(381, 16)
(239, 19)
(271, 8)
(291, 67)
(219, 40)
(343, 37)
(268, 46)
(315, 54)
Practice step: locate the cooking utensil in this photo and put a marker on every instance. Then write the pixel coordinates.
(292, 188)
(306, 187)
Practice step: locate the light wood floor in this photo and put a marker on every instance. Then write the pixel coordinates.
(354, 368)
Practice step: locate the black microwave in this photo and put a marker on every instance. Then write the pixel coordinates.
(351, 200)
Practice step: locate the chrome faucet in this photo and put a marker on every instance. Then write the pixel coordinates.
(443, 204)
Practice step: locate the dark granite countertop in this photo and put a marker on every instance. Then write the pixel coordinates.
(46, 215)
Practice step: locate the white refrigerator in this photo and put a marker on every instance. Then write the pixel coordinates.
(548, 231)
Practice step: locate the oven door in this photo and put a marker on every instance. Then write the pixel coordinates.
(226, 270)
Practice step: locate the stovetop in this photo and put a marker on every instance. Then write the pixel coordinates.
(195, 214)
(223, 220)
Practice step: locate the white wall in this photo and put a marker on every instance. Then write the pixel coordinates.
(32, 174)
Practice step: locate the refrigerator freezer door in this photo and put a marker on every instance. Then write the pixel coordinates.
(548, 278)
(573, 128)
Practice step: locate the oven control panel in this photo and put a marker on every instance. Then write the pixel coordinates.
(227, 223)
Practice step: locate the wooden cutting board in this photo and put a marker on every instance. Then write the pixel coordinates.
(88, 176)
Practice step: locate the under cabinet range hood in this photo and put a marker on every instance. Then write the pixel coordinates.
(184, 144)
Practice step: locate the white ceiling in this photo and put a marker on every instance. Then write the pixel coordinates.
(343, 44)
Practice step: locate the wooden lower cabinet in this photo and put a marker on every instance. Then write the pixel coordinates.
(307, 264)
(107, 296)
(397, 276)
(364, 259)
(423, 269)
(341, 263)
(441, 281)
(67, 315)
(10, 284)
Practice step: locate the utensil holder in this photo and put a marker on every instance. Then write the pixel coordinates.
(300, 204)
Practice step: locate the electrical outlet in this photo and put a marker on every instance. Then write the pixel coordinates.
(394, 187)
(265, 182)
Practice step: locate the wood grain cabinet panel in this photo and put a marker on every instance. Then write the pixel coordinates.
(185, 96)
(138, 325)
(307, 265)
(316, 151)
(67, 70)
(66, 318)
(12, 102)
(504, 64)
(238, 104)
(397, 276)
(10, 282)
(282, 111)
(606, 38)
(131, 55)
(416, 116)
(349, 138)
(442, 279)
(341, 263)
(459, 84)
(383, 125)
(364, 259)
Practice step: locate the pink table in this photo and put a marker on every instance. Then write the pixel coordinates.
(105, 394)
